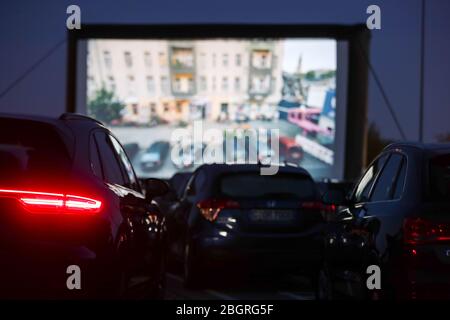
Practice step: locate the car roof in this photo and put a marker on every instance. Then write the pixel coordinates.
(218, 168)
(426, 147)
(44, 119)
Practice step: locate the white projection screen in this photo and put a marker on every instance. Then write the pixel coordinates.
(145, 87)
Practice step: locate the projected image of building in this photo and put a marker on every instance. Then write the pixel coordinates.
(145, 89)
(179, 81)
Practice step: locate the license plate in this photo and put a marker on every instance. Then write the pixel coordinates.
(271, 215)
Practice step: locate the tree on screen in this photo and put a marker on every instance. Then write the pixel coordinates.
(105, 107)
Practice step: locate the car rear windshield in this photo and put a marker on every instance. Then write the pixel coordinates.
(254, 185)
(440, 178)
(31, 150)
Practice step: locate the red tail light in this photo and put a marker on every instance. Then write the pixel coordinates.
(44, 202)
(319, 206)
(422, 231)
(211, 208)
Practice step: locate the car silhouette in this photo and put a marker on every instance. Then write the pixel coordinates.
(69, 197)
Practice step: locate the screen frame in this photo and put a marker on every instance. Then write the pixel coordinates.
(357, 36)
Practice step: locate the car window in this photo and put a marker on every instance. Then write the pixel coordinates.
(364, 186)
(400, 181)
(384, 187)
(94, 156)
(110, 163)
(25, 149)
(130, 176)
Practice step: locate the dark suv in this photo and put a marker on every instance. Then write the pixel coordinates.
(69, 197)
(231, 216)
(397, 218)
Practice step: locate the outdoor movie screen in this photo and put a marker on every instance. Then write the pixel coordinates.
(172, 102)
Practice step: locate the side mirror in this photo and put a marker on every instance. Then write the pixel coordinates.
(336, 197)
(155, 188)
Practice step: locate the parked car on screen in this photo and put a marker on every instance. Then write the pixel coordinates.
(153, 158)
(268, 112)
(290, 151)
(232, 218)
(69, 196)
(242, 114)
(397, 218)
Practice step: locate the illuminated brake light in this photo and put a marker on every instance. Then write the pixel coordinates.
(43, 202)
(211, 208)
(75, 202)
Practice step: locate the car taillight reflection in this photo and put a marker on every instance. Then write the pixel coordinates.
(319, 206)
(44, 202)
(422, 231)
(211, 208)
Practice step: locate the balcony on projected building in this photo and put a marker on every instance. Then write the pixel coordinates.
(261, 69)
(182, 69)
(183, 85)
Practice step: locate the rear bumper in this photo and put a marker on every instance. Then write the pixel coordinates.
(420, 283)
(41, 253)
(269, 252)
(41, 270)
(426, 288)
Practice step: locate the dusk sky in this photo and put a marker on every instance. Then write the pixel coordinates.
(316, 54)
(30, 28)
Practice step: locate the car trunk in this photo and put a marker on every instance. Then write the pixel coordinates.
(279, 204)
(276, 216)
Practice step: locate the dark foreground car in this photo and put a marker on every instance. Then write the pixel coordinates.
(231, 216)
(398, 218)
(69, 196)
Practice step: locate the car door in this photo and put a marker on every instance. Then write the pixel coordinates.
(344, 241)
(361, 193)
(383, 217)
(376, 219)
(146, 216)
(180, 213)
(121, 181)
